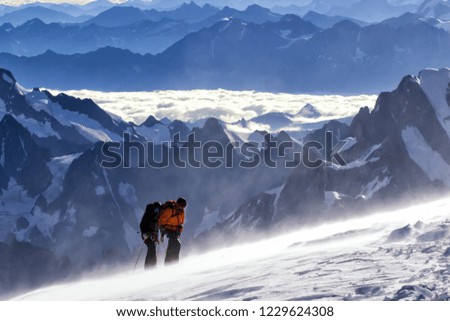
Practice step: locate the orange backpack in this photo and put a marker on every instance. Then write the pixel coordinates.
(170, 218)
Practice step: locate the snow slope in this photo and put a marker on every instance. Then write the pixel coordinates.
(430, 161)
(435, 85)
(401, 254)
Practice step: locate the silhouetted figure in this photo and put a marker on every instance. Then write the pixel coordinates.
(149, 232)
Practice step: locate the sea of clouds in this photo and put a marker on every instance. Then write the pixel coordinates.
(229, 106)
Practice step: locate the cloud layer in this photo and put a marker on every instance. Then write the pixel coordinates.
(229, 106)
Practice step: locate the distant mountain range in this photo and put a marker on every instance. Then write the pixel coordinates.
(325, 22)
(141, 31)
(47, 15)
(90, 9)
(299, 7)
(125, 15)
(287, 55)
(373, 10)
(307, 4)
(146, 36)
(33, 29)
(364, 10)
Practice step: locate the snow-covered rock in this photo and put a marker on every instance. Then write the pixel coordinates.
(309, 111)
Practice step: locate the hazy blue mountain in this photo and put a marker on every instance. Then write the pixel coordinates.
(337, 59)
(292, 9)
(34, 37)
(319, 6)
(242, 4)
(117, 61)
(21, 16)
(119, 16)
(404, 2)
(173, 4)
(253, 13)
(90, 9)
(4, 8)
(328, 7)
(141, 4)
(70, 9)
(289, 55)
(124, 15)
(192, 55)
(360, 10)
(439, 9)
(373, 10)
(325, 22)
(188, 12)
(404, 20)
(99, 4)
(124, 27)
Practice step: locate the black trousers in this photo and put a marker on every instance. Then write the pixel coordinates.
(150, 259)
(173, 248)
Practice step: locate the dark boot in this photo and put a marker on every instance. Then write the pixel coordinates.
(173, 248)
(150, 259)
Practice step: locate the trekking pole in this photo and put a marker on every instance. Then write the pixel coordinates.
(139, 256)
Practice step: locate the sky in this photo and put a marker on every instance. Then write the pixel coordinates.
(19, 2)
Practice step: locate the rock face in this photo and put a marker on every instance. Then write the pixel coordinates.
(61, 123)
(398, 151)
(17, 258)
(254, 215)
(303, 195)
(21, 160)
(309, 111)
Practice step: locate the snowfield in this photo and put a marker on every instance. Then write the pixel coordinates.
(398, 255)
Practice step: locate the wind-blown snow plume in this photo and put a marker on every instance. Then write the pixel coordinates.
(387, 256)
